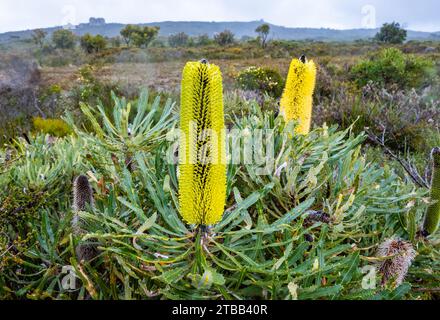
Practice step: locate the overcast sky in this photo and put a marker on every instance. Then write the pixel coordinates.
(420, 15)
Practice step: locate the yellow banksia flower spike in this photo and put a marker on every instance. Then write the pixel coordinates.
(297, 99)
(202, 149)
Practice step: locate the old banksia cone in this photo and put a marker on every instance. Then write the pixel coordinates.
(202, 151)
(394, 269)
(82, 197)
(433, 212)
(82, 193)
(297, 99)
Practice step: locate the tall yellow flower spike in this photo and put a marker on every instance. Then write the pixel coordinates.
(297, 99)
(202, 149)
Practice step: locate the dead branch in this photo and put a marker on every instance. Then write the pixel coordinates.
(409, 167)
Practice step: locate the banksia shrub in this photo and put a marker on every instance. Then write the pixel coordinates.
(394, 269)
(202, 151)
(296, 101)
(433, 213)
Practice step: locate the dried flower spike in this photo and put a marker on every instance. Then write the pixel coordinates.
(202, 149)
(394, 269)
(82, 197)
(316, 216)
(86, 251)
(432, 218)
(297, 99)
(82, 193)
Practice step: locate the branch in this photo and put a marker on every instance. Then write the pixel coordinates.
(406, 164)
(427, 289)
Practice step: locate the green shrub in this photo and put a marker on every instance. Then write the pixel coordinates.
(391, 33)
(180, 39)
(204, 40)
(264, 80)
(92, 44)
(54, 127)
(64, 39)
(224, 38)
(55, 89)
(391, 67)
(270, 244)
(407, 119)
(139, 36)
(91, 89)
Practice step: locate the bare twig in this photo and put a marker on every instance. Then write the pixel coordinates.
(35, 101)
(406, 164)
(427, 289)
(10, 246)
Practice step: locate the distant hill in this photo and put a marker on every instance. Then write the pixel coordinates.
(240, 29)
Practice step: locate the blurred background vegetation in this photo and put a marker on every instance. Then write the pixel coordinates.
(385, 84)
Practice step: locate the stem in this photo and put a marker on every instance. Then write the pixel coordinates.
(200, 257)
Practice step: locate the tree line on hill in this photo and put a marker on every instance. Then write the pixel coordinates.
(143, 37)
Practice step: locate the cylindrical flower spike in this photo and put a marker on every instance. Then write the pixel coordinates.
(82, 193)
(82, 197)
(432, 218)
(296, 102)
(202, 149)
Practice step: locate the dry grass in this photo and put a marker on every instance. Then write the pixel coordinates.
(65, 77)
(165, 76)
